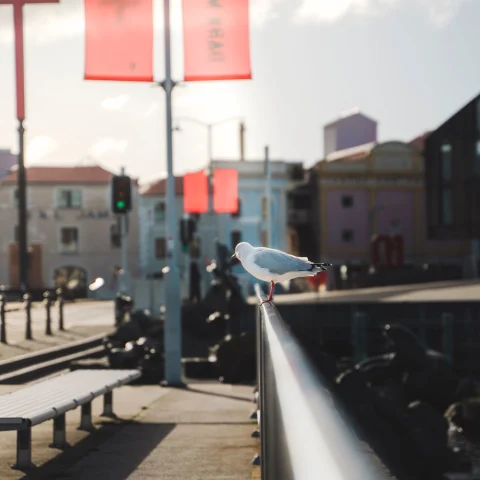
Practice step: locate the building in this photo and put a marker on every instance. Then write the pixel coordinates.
(350, 130)
(72, 234)
(248, 224)
(376, 189)
(7, 161)
(452, 175)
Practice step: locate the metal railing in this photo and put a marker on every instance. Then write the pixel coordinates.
(302, 435)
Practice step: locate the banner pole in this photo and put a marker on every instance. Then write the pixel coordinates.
(173, 326)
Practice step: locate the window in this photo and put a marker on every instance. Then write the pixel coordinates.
(69, 198)
(159, 212)
(476, 165)
(236, 238)
(264, 238)
(447, 211)
(347, 236)
(347, 201)
(69, 240)
(115, 237)
(478, 115)
(446, 162)
(238, 213)
(160, 248)
(264, 207)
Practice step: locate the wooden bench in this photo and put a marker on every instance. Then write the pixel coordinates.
(50, 399)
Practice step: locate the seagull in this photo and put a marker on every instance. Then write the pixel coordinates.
(274, 266)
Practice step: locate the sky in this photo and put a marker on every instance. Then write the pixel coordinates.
(409, 64)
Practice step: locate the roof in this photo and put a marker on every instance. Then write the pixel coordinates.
(64, 175)
(347, 114)
(419, 142)
(351, 154)
(159, 188)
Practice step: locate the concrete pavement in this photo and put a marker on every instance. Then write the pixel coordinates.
(199, 433)
(81, 320)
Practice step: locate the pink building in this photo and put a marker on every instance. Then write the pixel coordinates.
(376, 189)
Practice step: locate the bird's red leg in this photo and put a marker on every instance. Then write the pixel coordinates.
(270, 297)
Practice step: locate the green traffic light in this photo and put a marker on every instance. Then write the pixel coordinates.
(120, 204)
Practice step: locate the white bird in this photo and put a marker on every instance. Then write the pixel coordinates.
(274, 266)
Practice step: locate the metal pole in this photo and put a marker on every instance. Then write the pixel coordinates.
(268, 195)
(123, 243)
(22, 210)
(173, 326)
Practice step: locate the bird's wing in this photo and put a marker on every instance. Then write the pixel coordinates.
(279, 263)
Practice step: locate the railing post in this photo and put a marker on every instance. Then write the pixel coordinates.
(359, 336)
(60, 300)
(3, 325)
(48, 307)
(447, 324)
(28, 312)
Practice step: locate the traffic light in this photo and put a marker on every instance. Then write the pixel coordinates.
(121, 194)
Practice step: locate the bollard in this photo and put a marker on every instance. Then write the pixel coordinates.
(48, 305)
(28, 310)
(447, 324)
(61, 326)
(359, 336)
(3, 326)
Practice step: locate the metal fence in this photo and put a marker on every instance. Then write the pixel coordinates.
(302, 435)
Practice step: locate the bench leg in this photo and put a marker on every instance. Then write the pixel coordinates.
(59, 433)
(108, 405)
(24, 450)
(86, 418)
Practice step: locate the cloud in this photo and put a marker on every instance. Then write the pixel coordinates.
(39, 147)
(46, 23)
(439, 12)
(115, 103)
(261, 11)
(108, 144)
(151, 110)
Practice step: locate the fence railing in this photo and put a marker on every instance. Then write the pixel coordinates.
(302, 435)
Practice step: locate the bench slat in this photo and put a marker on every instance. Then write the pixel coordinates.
(52, 397)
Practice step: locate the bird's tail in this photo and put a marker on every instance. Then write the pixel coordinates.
(319, 267)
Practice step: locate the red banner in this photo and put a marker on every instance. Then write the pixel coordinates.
(119, 40)
(216, 40)
(195, 192)
(225, 190)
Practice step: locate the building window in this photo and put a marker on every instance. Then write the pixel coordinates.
(264, 238)
(115, 237)
(236, 238)
(478, 115)
(159, 212)
(69, 240)
(446, 162)
(476, 165)
(347, 201)
(238, 213)
(160, 248)
(264, 207)
(69, 198)
(347, 236)
(447, 211)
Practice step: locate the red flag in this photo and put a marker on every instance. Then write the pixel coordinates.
(225, 191)
(216, 40)
(195, 192)
(119, 40)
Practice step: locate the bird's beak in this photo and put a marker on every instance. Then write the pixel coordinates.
(234, 260)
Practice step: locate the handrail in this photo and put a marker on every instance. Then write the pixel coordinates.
(303, 437)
